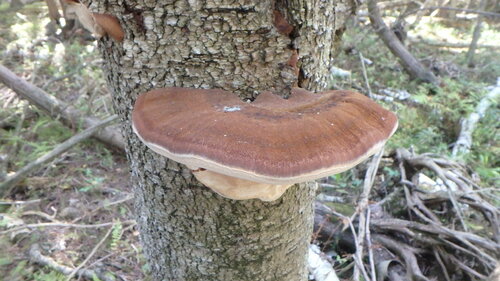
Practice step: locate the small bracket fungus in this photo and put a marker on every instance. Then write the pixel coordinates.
(111, 26)
(264, 147)
(98, 24)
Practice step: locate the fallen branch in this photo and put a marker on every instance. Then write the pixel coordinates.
(410, 64)
(62, 224)
(58, 150)
(430, 227)
(458, 189)
(440, 261)
(58, 109)
(424, 237)
(464, 141)
(467, 269)
(406, 252)
(467, 238)
(37, 257)
(422, 211)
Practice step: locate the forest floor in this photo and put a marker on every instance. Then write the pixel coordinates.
(77, 211)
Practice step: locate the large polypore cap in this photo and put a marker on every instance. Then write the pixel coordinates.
(271, 140)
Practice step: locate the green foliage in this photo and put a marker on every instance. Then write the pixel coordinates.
(430, 121)
(146, 268)
(91, 180)
(485, 150)
(454, 100)
(48, 134)
(19, 270)
(347, 179)
(102, 154)
(390, 172)
(95, 278)
(5, 261)
(341, 260)
(49, 275)
(116, 235)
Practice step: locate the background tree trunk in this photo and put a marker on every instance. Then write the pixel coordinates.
(189, 232)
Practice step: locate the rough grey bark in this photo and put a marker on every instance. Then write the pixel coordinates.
(189, 232)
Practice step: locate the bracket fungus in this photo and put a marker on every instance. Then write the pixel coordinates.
(257, 150)
(98, 24)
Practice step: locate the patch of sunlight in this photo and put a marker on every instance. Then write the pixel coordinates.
(4, 5)
(58, 54)
(62, 21)
(28, 31)
(90, 48)
(489, 35)
(432, 29)
(30, 34)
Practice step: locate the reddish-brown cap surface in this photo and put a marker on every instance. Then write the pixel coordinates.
(111, 26)
(271, 140)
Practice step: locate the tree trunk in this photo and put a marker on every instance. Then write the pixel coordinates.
(476, 35)
(189, 232)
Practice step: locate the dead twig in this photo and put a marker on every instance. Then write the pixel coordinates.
(36, 256)
(365, 75)
(127, 197)
(369, 246)
(20, 202)
(362, 206)
(41, 214)
(58, 150)
(467, 269)
(62, 77)
(91, 254)
(358, 259)
(472, 254)
(62, 224)
(441, 264)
